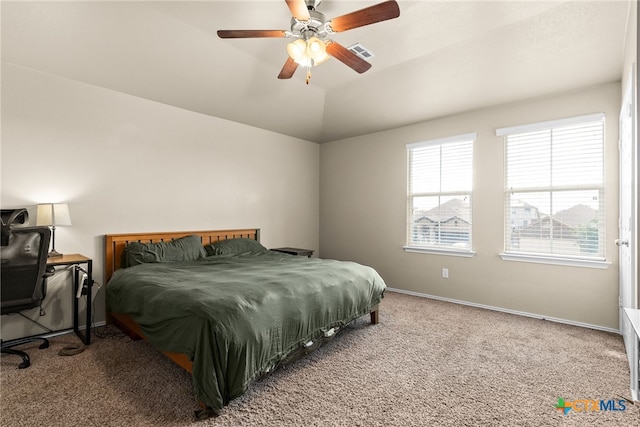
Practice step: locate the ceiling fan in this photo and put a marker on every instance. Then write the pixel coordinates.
(310, 30)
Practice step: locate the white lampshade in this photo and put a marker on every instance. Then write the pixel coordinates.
(316, 49)
(296, 49)
(53, 214)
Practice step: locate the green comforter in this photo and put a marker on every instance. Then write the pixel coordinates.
(238, 317)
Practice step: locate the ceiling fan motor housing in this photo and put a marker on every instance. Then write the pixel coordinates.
(315, 26)
(312, 4)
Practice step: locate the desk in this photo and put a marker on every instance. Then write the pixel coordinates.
(75, 261)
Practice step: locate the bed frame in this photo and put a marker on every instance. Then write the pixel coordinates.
(115, 245)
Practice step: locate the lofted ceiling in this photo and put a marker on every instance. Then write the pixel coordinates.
(438, 58)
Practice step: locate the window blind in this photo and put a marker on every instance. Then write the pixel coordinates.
(554, 188)
(439, 193)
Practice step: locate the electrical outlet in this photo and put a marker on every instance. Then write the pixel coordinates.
(445, 273)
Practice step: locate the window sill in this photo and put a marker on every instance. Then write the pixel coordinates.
(541, 259)
(450, 252)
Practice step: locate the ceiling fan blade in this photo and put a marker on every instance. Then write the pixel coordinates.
(347, 57)
(368, 15)
(299, 9)
(288, 69)
(241, 34)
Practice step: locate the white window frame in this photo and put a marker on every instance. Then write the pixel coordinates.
(466, 251)
(509, 253)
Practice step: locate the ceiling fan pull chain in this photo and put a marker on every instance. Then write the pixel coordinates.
(310, 64)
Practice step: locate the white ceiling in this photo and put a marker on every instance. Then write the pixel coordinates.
(438, 58)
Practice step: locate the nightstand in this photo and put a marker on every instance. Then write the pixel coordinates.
(295, 251)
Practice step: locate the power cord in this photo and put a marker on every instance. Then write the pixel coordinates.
(71, 350)
(106, 331)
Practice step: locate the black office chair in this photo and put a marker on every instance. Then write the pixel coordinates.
(23, 281)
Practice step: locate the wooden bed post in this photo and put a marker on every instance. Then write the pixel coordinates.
(375, 315)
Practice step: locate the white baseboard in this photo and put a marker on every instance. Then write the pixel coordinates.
(81, 328)
(506, 310)
(54, 334)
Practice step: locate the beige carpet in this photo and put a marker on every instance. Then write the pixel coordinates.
(428, 363)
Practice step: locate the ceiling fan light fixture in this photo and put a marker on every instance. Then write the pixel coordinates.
(316, 48)
(297, 50)
(308, 53)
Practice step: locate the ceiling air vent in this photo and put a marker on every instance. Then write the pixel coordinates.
(361, 51)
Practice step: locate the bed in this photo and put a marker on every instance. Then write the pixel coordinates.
(225, 308)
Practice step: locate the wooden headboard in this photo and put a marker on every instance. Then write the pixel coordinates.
(116, 243)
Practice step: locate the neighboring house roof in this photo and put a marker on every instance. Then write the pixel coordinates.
(546, 220)
(454, 208)
(546, 225)
(576, 216)
(565, 223)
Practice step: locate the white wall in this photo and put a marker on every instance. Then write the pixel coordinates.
(363, 183)
(126, 164)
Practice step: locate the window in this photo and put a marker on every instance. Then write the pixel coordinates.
(439, 196)
(554, 188)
